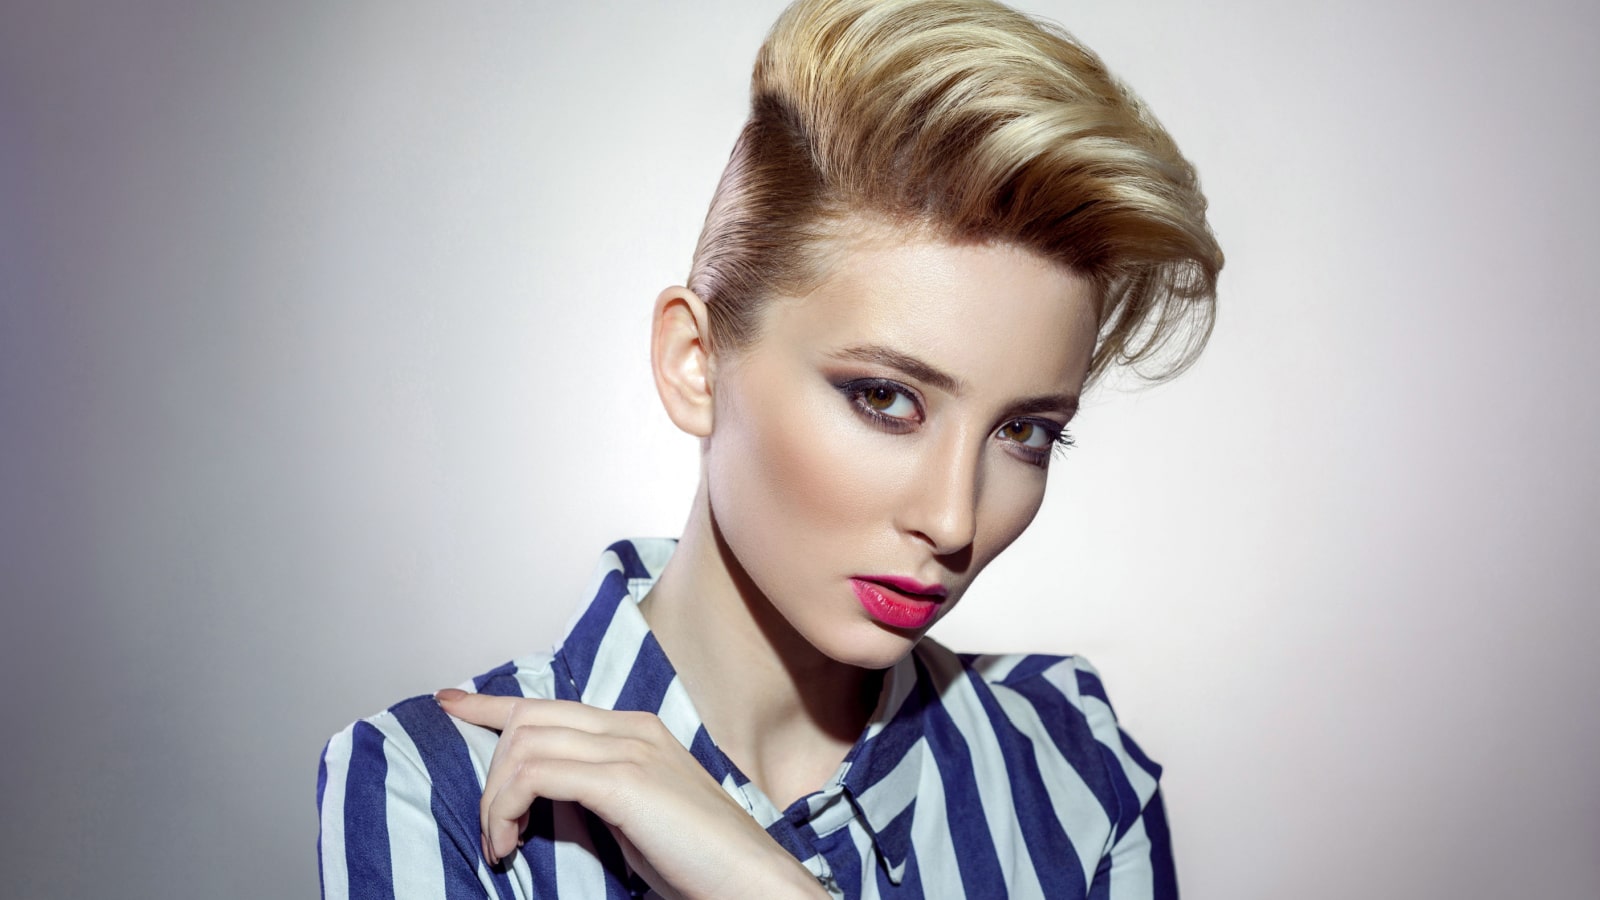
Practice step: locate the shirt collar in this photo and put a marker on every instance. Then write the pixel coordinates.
(885, 766)
(610, 659)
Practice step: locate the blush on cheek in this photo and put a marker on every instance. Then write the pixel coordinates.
(1008, 509)
(825, 463)
(785, 460)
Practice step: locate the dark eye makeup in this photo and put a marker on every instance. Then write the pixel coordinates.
(1018, 432)
(875, 400)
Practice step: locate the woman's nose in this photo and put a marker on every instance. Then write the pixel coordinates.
(942, 508)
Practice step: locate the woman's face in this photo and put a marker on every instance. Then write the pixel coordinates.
(889, 434)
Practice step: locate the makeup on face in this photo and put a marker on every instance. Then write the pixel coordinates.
(899, 602)
(889, 433)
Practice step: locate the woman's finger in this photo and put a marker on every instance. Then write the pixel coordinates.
(529, 743)
(630, 771)
(523, 769)
(486, 710)
(500, 713)
(504, 807)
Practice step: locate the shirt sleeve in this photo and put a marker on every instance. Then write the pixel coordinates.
(1137, 864)
(385, 832)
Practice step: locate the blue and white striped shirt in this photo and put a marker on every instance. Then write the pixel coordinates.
(978, 776)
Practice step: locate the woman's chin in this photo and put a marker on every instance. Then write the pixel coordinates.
(871, 645)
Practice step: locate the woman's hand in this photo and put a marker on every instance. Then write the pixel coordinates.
(676, 825)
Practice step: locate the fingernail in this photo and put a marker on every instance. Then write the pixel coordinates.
(448, 695)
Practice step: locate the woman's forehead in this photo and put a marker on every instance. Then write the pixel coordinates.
(994, 313)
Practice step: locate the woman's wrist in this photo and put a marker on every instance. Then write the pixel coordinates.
(800, 885)
(782, 877)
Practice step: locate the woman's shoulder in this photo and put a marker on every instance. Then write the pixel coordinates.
(1055, 683)
(1069, 768)
(412, 776)
(1054, 705)
(415, 740)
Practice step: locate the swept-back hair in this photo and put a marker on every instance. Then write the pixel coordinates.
(972, 122)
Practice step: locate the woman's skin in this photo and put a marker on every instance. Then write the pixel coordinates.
(895, 422)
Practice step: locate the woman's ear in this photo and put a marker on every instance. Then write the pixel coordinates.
(680, 355)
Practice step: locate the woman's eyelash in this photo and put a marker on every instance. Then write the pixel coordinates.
(859, 391)
(1060, 440)
(1063, 442)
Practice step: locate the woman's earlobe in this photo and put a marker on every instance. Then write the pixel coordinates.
(680, 358)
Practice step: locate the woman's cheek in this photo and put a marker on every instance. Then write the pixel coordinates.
(794, 459)
(838, 465)
(1016, 492)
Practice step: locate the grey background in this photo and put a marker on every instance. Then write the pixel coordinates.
(323, 381)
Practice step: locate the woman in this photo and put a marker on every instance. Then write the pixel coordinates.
(940, 221)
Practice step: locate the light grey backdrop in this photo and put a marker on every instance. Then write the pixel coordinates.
(323, 380)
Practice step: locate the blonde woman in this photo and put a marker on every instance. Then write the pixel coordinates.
(940, 222)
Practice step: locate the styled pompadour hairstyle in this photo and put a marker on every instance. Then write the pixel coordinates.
(971, 122)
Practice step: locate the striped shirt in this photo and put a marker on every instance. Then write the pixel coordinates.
(977, 776)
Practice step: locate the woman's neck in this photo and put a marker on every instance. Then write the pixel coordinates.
(782, 711)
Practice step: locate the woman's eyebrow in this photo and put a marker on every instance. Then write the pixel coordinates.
(907, 365)
(1065, 404)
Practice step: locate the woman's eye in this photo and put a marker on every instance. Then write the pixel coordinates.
(888, 401)
(1028, 434)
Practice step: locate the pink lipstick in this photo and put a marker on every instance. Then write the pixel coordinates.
(898, 602)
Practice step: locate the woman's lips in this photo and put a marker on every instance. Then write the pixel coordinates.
(909, 585)
(898, 602)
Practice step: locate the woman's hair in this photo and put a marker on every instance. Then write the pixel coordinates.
(967, 121)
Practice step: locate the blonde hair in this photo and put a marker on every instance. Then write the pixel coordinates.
(973, 122)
